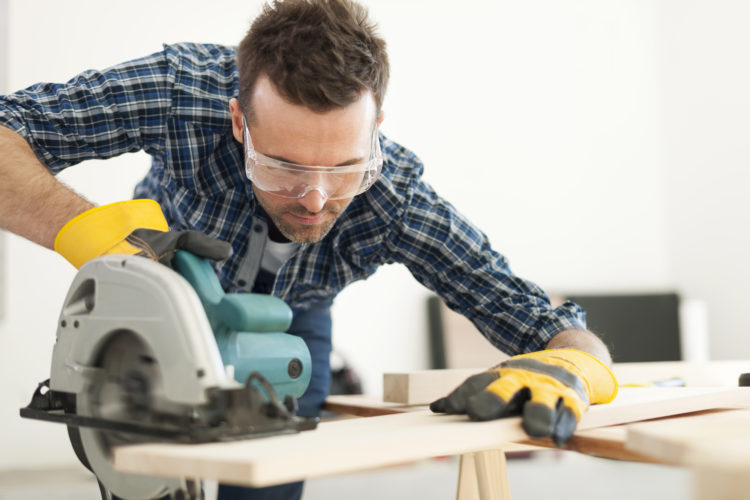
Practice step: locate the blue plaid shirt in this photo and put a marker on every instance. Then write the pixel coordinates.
(174, 105)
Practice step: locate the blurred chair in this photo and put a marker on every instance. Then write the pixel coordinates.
(636, 328)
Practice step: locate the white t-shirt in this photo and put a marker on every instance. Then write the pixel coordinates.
(275, 254)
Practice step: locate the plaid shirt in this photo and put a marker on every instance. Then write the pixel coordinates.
(174, 105)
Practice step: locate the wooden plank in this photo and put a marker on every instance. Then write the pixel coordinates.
(364, 406)
(710, 439)
(604, 442)
(641, 403)
(715, 444)
(357, 444)
(335, 447)
(723, 373)
(424, 386)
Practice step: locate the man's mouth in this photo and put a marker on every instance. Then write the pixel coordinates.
(308, 220)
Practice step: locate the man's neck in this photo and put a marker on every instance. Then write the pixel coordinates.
(274, 234)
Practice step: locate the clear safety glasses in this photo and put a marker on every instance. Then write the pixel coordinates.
(289, 180)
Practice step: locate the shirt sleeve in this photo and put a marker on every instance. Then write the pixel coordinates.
(449, 255)
(96, 115)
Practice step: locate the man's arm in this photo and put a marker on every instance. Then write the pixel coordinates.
(33, 204)
(583, 340)
(96, 115)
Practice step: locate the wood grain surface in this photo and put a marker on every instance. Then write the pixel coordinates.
(357, 444)
(714, 439)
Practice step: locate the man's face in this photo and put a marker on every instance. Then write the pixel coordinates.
(295, 134)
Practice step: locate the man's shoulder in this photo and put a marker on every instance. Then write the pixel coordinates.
(201, 51)
(203, 57)
(397, 154)
(401, 167)
(204, 79)
(399, 179)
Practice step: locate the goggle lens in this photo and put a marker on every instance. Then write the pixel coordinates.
(290, 180)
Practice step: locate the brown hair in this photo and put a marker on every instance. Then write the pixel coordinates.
(318, 53)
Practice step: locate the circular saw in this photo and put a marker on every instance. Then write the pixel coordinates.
(147, 353)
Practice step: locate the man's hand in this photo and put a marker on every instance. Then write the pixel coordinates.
(135, 227)
(550, 389)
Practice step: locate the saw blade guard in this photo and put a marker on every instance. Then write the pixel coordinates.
(203, 336)
(126, 293)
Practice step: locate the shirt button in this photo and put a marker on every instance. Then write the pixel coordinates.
(258, 228)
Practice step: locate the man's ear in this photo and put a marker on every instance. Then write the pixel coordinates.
(236, 112)
(381, 117)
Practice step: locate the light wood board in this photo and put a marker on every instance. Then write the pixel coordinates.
(706, 374)
(715, 444)
(364, 406)
(710, 439)
(424, 386)
(357, 444)
(604, 442)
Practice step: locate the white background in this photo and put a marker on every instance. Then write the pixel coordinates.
(601, 144)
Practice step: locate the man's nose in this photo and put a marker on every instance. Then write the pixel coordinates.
(314, 201)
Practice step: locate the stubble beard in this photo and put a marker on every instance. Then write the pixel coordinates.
(301, 233)
(297, 232)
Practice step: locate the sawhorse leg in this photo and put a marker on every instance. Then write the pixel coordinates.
(483, 475)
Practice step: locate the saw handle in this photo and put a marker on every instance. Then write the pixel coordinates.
(245, 312)
(249, 330)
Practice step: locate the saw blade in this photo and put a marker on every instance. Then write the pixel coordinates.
(127, 388)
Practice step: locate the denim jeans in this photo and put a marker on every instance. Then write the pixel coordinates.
(314, 326)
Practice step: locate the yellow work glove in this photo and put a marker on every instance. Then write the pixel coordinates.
(135, 227)
(550, 390)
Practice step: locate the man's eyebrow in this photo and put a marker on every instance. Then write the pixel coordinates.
(352, 161)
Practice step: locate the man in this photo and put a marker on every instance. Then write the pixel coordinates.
(275, 148)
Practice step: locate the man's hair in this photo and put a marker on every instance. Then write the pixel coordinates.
(318, 53)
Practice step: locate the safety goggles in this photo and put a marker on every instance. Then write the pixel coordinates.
(290, 180)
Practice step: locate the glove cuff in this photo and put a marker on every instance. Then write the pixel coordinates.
(601, 384)
(102, 230)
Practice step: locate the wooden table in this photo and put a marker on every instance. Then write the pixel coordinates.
(362, 443)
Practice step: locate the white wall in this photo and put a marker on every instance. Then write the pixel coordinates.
(546, 122)
(539, 120)
(706, 153)
(3, 78)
